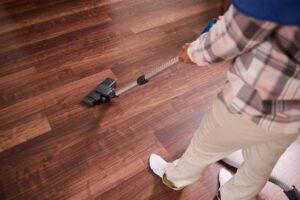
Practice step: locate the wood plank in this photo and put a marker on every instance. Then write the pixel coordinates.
(20, 110)
(50, 12)
(13, 7)
(156, 19)
(94, 170)
(17, 87)
(50, 98)
(38, 165)
(23, 130)
(48, 54)
(68, 44)
(51, 29)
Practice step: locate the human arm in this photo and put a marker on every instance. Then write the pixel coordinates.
(231, 36)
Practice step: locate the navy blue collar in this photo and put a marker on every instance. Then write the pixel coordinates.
(285, 12)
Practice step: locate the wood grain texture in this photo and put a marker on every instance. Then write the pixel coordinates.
(23, 130)
(52, 53)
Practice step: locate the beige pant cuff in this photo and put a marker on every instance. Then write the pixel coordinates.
(167, 182)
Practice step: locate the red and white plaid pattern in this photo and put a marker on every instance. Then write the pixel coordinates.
(263, 81)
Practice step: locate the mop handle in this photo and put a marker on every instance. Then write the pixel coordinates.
(161, 68)
(143, 79)
(146, 77)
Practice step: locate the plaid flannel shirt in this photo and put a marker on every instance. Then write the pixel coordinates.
(263, 80)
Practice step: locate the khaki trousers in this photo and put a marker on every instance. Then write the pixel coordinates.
(221, 133)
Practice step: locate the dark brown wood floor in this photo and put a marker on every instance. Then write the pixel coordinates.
(53, 52)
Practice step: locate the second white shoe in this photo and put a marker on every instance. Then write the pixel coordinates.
(224, 176)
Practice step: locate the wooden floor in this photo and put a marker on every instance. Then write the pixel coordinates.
(53, 52)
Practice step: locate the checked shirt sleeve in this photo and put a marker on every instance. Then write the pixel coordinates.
(234, 34)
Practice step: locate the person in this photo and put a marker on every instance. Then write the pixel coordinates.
(258, 109)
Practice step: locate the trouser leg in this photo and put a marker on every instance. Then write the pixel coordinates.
(259, 160)
(220, 133)
(211, 142)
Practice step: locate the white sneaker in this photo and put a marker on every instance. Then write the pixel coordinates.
(157, 164)
(224, 176)
(235, 159)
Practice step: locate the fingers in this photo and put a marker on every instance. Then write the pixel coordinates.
(184, 55)
(185, 58)
(185, 46)
(180, 58)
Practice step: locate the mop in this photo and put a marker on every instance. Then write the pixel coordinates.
(107, 89)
